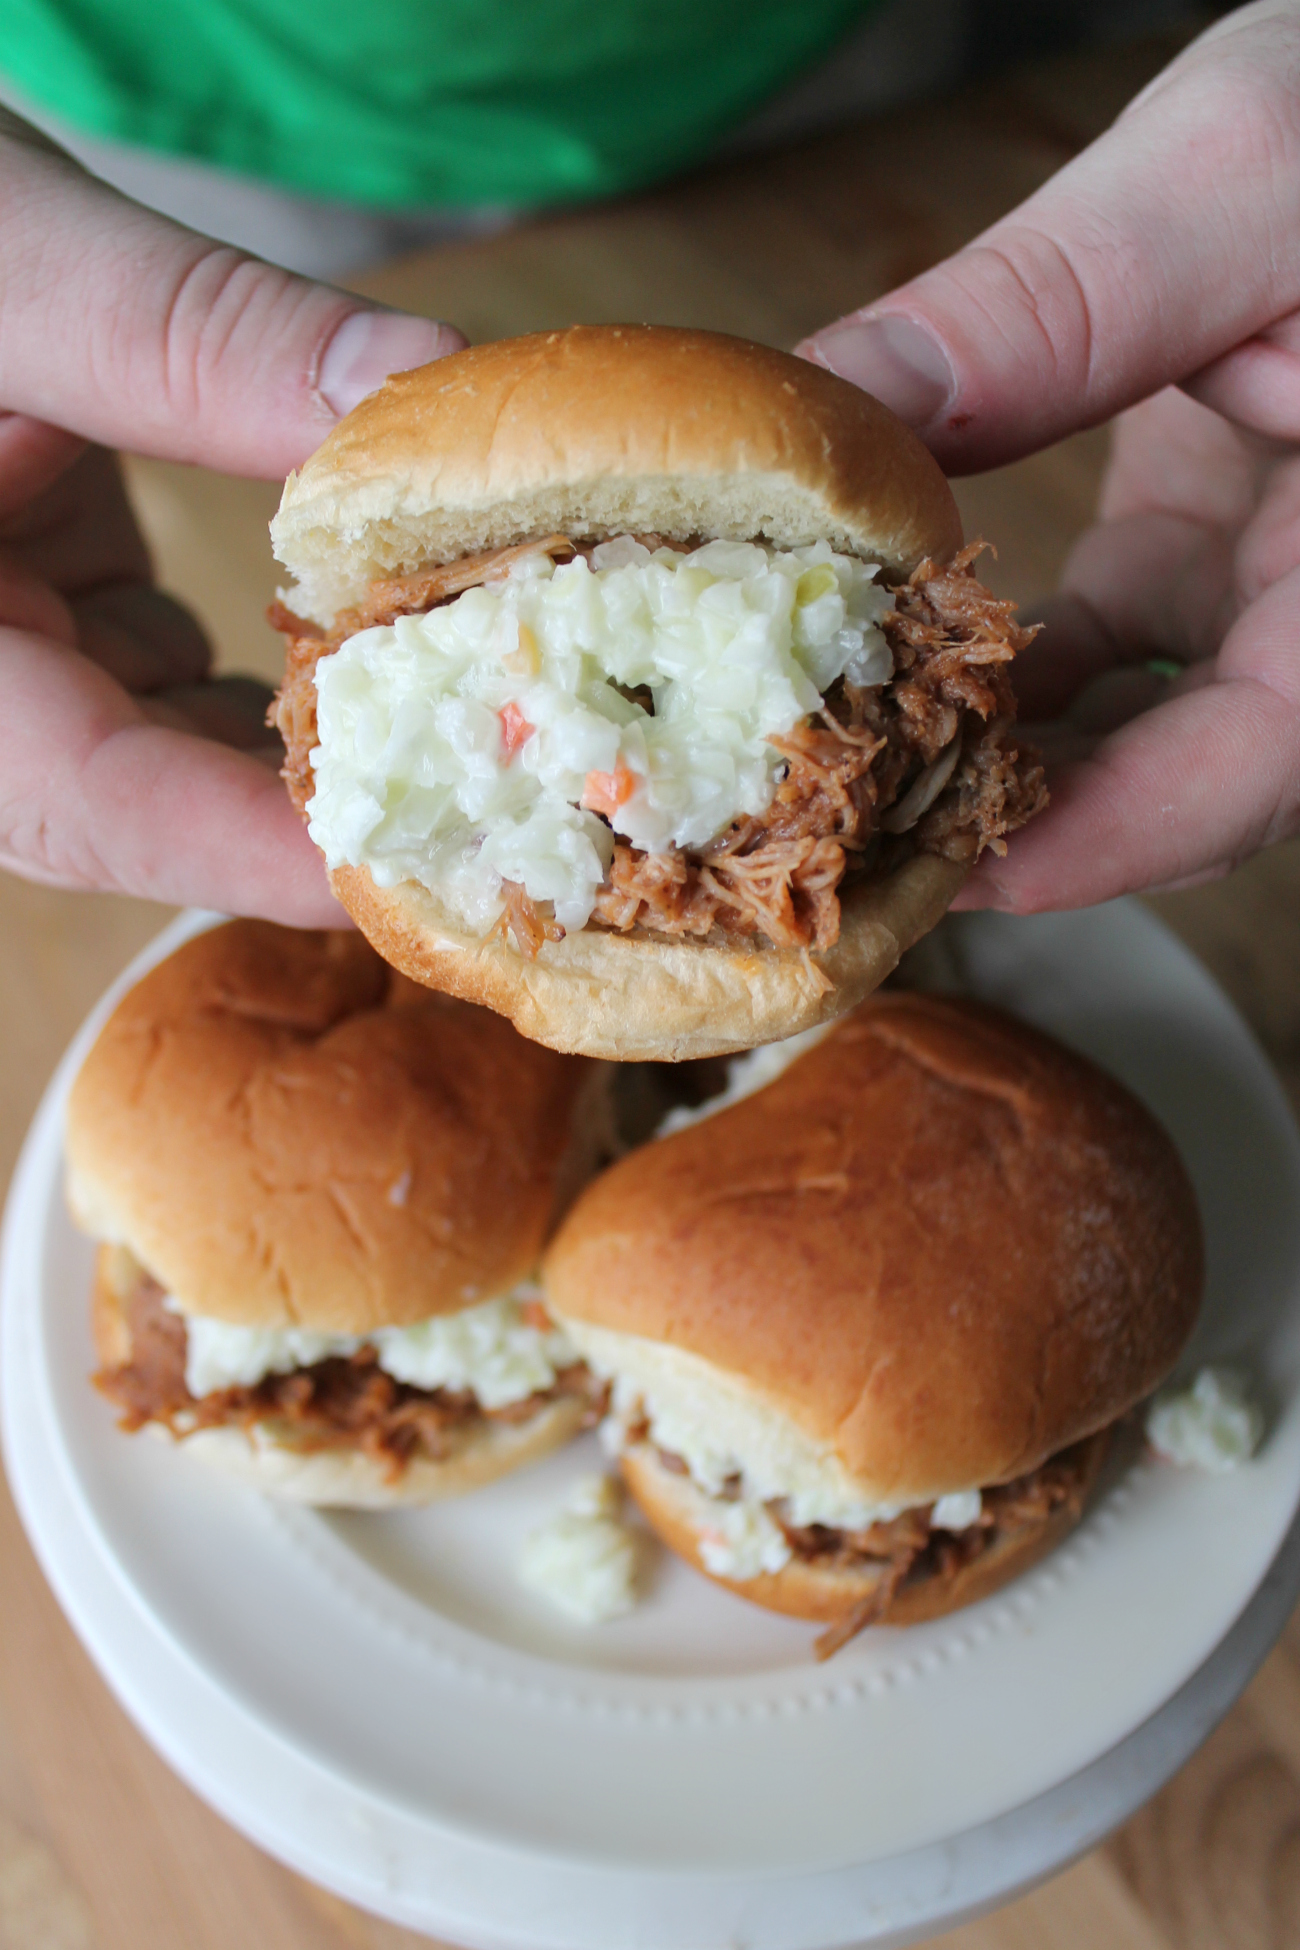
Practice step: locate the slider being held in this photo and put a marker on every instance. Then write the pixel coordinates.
(868, 1329)
(639, 687)
(321, 1193)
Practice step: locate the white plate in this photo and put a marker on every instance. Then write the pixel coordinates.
(695, 1746)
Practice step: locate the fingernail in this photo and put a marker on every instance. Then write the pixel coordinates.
(892, 357)
(371, 344)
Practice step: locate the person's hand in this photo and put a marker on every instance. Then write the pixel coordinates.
(1165, 257)
(123, 764)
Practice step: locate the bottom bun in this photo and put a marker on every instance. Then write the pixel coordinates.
(345, 1479)
(830, 1594)
(646, 998)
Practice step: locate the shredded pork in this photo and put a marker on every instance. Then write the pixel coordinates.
(779, 875)
(334, 1404)
(529, 923)
(928, 762)
(909, 1551)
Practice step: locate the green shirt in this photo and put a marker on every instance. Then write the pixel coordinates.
(419, 102)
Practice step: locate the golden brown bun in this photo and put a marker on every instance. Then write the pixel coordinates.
(677, 1511)
(596, 431)
(604, 430)
(340, 1478)
(285, 1132)
(942, 1245)
(645, 998)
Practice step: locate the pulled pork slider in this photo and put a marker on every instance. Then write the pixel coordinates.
(868, 1329)
(321, 1193)
(639, 687)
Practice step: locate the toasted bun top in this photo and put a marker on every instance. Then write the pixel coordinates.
(602, 430)
(941, 1244)
(285, 1132)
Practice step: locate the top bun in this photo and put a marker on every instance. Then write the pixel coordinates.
(941, 1245)
(606, 430)
(286, 1133)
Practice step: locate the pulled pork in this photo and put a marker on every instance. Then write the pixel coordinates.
(925, 763)
(908, 1550)
(852, 770)
(334, 1404)
(522, 917)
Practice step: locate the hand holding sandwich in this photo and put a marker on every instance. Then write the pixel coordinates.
(126, 765)
(1156, 277)
(1159, 260)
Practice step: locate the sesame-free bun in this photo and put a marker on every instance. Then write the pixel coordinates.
(826, 1591)
(345, 1477)
(285, 1132)
(592, 432)
(938, 1249)
(644, 998)
(606, 430)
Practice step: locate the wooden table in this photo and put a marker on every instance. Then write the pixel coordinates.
(99, 1845)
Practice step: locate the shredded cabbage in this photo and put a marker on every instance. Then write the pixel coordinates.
(494, 1350)
(480, 742)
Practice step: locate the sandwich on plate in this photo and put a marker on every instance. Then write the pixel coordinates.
(321, 1194)
(868, 1328)
(639, 686)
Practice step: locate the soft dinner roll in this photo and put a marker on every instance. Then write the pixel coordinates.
(322, 1192)
(866, 1328)
(637, 871)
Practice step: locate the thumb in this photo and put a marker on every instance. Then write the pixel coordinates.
(1167, 243)
(129, 330)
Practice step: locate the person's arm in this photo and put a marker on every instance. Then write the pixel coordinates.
(123, 764)
(1157, 277)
